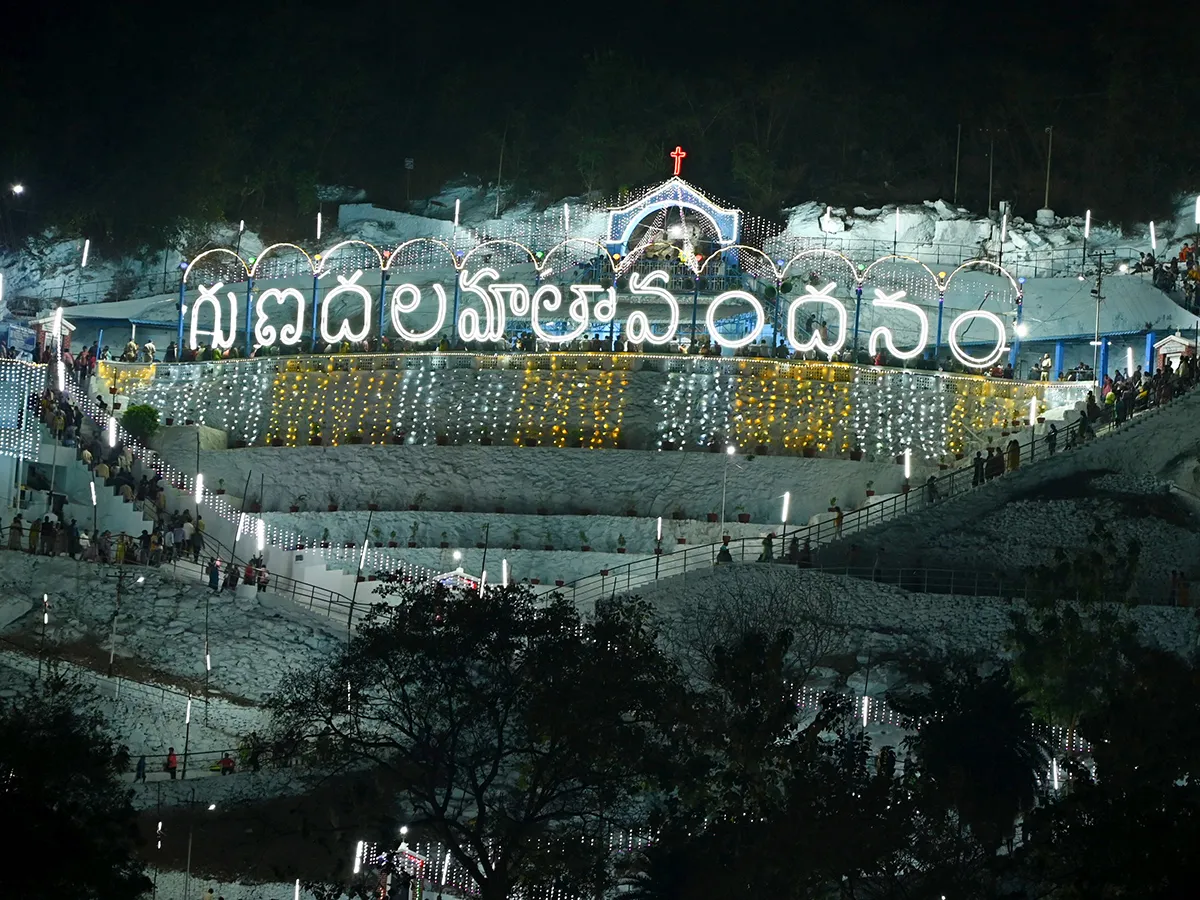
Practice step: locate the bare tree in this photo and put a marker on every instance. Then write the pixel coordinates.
(745, 600)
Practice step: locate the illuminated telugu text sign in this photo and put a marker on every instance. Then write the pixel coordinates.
(488, 303)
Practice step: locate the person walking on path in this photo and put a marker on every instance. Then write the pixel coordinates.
(172, 763)
(214, 576)
(140, 774)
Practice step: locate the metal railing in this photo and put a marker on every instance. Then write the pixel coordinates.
(954, 483)
(150, 462)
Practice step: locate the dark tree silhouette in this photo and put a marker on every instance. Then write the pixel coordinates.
(71, 826)
(515, 730)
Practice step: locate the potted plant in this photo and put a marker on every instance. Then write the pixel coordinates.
(712, 517)
(870, 488)
(392, 543)
(417, 500)
(372, 506)
(325, 539)
(297, 502)
(631, 511)
(485, 437)
(761, 449)
(742, 515)
(604, 573)
(480, 544)
(314, 437)
(516, 539)
(220, 486)
(809, 450)
(678, 514)
(856, 454)
(378, 534)
(833, 507)
(725, 538)
(354, 437)
(445, 542)
(585, 543)
(349, 545)
(542, 509)
(904, 487)
(276, 441)
(558, 582)
(667, 445)
(620, 543)
(680, 540)
(530, 442)
(333, 502)
(500, 504)
(549, 540)
(442, 440)
(170, 420)
(255, 505)
(412, 535)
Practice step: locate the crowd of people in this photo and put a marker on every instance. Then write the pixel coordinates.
(170, 535)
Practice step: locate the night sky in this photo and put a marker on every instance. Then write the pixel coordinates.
(120, 118)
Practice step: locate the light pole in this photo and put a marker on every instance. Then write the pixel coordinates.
(45, 622)
(729, 452)
(112, 647)
(1049, 153)
(187, 877)
(187, 736)
(199, 476)
(787, 503)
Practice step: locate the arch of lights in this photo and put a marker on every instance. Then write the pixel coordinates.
(483, 302)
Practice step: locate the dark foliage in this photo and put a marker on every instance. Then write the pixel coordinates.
(513, 731)
(71, 826)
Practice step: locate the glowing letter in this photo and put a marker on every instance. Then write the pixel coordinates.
(638, 325)
(605, 309)
(518, 297)
(710, 319)
(970, 361)
(345, 332)
(289, 334)
(399, 307)
(893, 301)
(578, 312)
(812, 295)
(470, 325)
(209, 295)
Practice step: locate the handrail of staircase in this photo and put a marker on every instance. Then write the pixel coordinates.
(286, 539)
(956, 482)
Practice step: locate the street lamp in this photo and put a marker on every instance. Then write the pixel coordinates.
(787, 504)
(45, 623)
(112, 648)
(729, 452)
(187, 878)
(18, 189)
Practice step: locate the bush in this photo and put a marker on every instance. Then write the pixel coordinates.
(141, 421)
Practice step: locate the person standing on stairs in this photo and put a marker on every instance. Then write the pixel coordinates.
(16, 531)
(198, 538)
(977, 475)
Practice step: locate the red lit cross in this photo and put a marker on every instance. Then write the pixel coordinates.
(678, 154)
